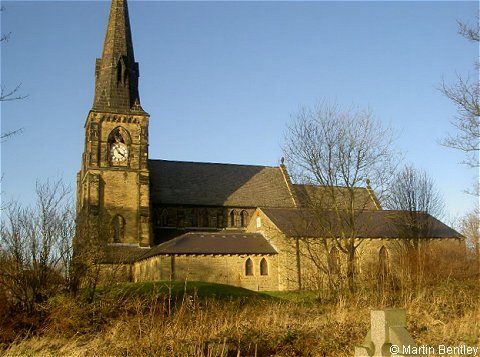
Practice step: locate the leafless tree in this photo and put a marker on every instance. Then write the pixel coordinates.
(465, 95)
(35, 246)
(9, 94)
(88, 251)
(414, 193)
(9, 134)
(413, 190)
(470, 228)
(340, 149)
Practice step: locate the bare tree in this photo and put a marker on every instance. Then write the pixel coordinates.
(91, 237)
(470, 228)
(465, 95)
(35, 246)
(414, 193)
(9, 94)
(413, 190)
(340, 149)
(9, 134)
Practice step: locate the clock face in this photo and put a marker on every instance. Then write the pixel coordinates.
(119, 152)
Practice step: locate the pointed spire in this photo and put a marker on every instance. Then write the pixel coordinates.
(116, 73)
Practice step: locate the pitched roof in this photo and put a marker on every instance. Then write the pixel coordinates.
(323, 197)
(211, 184)
(121, 253)
(214, 243)
(368, 224)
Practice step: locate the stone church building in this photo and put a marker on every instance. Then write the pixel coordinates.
(242, 225)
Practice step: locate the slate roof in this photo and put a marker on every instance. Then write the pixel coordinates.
(214, 243)
(369, 224)
(121, 253)
(309, 196)
(211, 184)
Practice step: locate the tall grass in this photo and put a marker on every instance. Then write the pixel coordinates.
(176, 320)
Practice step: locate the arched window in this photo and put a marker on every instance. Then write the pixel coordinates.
(219, 220)
(263, 267)
(164, 218)
(194, 216)
(383, 261)
(232, 218)
(180, 218)
(243, 218)
(334, 261)
(202, 217)
(249, 267)
(119, 135)
(119, 71)
(118, 228)
(122, 71)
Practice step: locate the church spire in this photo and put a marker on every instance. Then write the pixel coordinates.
(116, 73)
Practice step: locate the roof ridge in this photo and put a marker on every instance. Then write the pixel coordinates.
(210, 163)
(322, 186)
(332, 209)
(214, 233)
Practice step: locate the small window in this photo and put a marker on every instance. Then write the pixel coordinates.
(122, 71)
(203, 218)
(243, 218)
(219, 220)
(180, 218)
(249, 267)
(232, 218)
(119, 71)
(164, 218)
(213, 221)
(194, 218)
(263, 267)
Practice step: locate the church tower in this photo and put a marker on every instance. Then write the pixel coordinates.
(113, 183)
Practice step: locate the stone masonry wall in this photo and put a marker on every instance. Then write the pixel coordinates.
(307, 259)
(286, 248)
(222, 269)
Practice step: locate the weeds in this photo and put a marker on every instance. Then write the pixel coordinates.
(159, 320)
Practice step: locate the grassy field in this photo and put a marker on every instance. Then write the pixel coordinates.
(201, 319)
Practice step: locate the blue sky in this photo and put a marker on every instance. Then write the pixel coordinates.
(222, 79)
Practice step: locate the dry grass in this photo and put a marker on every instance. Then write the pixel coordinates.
(297, 325)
